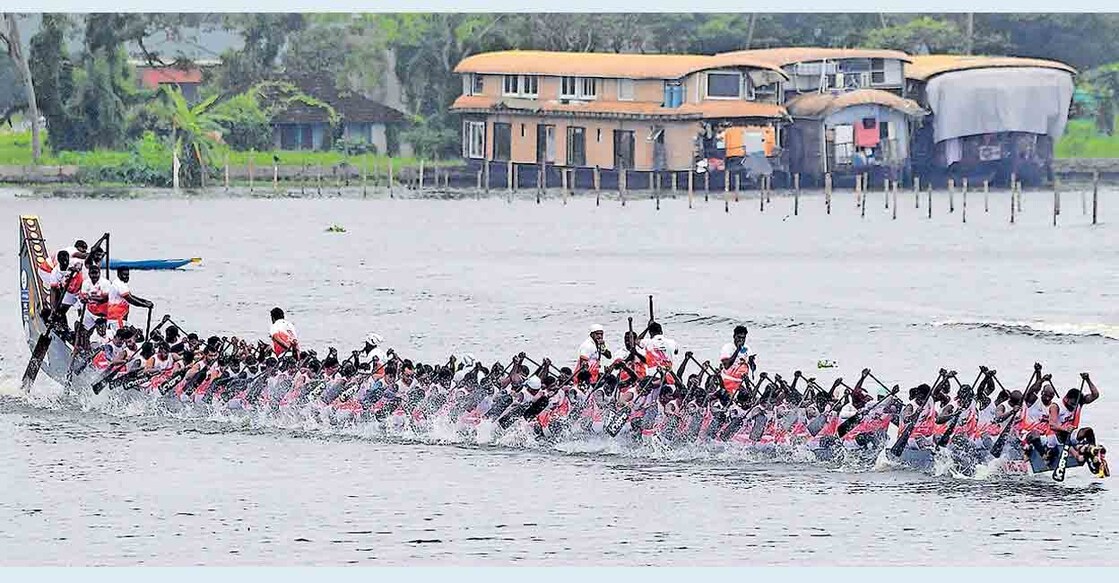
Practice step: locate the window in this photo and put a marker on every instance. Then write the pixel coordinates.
(567, 88)
(546, 143)
(578, 88)
(502, 141)
(530, 86)
(878, 71)
(623, 149)
(625, 89)
(588, 87)
(724, 85)
(673, 94)
(512, 85)
(576, 146)
(472, 84)
(473, 139)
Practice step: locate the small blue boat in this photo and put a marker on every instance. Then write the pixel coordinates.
(148, 264)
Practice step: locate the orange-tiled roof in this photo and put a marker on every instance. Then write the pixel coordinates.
(706, 110)
(783, 56)
(734, 108)
(822, 104)
(925, 66)
(623, 65)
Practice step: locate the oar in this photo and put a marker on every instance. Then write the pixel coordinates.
(99, 385)
(950, 428)
(903, 436)
(1000, 442)
(853, 421)
(1062, 462)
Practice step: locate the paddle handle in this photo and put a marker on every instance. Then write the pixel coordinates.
(650, 308)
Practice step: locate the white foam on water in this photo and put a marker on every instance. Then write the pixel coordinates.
(1082, 329)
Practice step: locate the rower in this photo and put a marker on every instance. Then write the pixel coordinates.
(1064, 416)
(659, 349)
(94, 296)
(591, 352)
(64, 282)
(121, 299)
(736, 361)
(78, 253)
(99, 334)
(283, 334)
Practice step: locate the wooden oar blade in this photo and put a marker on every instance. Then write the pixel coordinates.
(36, 361)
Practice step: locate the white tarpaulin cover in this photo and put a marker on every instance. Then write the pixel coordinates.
(1011, 99)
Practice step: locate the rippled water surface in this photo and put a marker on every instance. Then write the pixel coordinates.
(95, 481)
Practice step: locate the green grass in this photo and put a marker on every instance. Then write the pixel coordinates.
(1081, 140)
(15, 150)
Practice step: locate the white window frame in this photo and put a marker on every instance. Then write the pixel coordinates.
(581, 85)
(516, 79)
(564, 93)
(472, 84)
(707, 85)
(632, 89)
(474, 139)
(535, 86)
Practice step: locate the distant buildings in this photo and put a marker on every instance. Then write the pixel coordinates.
(747, 114)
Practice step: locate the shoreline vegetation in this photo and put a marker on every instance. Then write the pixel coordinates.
(147, 163)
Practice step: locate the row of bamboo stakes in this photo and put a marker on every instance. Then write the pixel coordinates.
(861, 188)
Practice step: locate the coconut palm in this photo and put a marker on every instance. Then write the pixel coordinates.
(195, 134)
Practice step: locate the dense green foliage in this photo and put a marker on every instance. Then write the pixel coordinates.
(90, 100)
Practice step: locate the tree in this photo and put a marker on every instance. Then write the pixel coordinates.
(265, 36)
(195, 132)
(9, 35)
(922, 35)
(350, 49)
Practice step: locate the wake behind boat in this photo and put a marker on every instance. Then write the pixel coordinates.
(645, 393)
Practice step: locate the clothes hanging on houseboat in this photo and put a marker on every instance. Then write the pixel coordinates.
(867, 133)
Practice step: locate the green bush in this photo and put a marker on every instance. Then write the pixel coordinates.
(245, 124)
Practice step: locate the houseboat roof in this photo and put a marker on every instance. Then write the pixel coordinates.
(621, 109)
(824, 104)
(623, 65)
(784, 56)
(924, 67)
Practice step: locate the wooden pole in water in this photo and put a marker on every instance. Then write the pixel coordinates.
(886, 193)
(227, 171)
(691, 187)
(479, 179)
(1095, 195)
(318, 178)
(862, 206)
(951, 195)
(509, 175)
(827, 191)
(930, 200)
(916, 191)
(563, 184)
(895, 194)
(986, 196)
(674, 180)
(963, 213)
(597, 186)
(706, 185)
(1012, 205)
(737, 186)
(251, 156)
(420, 180)
(390, 178)
(364, 178)
(726, 183)
(622, 186)
(486, 175)
(1056, 199)
(796, 194)
(768, 181)
(275, 175)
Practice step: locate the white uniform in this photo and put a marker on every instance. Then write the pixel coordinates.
(659, 351)
(589, 350)
(283, 336)
(94, 290)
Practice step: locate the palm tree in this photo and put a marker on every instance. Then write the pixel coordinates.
(195, 134)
